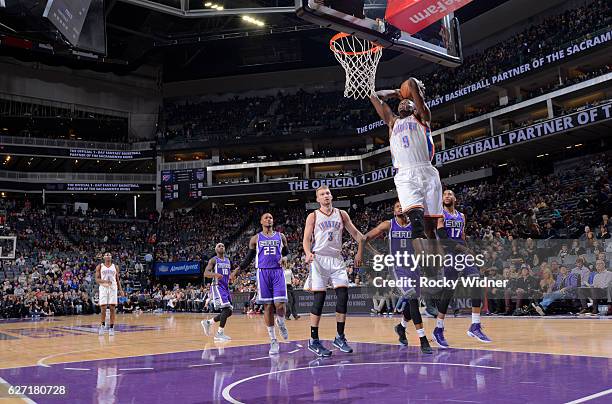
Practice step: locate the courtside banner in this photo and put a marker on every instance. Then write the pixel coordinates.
(177, 268)
(535, 64)
(553, 126)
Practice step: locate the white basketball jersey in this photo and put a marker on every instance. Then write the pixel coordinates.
(328, 233)
(411, 143)
(109, 274)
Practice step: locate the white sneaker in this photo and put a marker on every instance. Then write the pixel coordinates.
(101, 330)
(206, 326)
(111, 331)
(221, 337)
(284, 332)
(274, 347)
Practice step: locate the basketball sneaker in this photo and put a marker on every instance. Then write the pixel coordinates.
(221, 337)
(425, 347)
(475, 331)
(206, 326)
(315, 346)
(438, 336)
(101, 330)
(274, 347)
(341, 344)
(111, 332)
(539, 309)
(401, 332)
(282, 327)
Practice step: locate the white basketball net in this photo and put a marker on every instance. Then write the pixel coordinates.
(359, 58)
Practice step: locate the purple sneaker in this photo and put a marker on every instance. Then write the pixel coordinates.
(438, 337)
(475, 331)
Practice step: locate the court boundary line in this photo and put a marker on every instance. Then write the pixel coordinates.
(591, 397)
(227, 396)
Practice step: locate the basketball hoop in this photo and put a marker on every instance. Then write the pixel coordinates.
(359, 58)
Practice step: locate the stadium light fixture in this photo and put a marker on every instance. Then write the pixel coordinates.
(253, 20)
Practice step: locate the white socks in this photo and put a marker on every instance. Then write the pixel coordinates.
(421, 332)
(475, 318)
(272, 332)
(280, 320)
(440, 323)
(404, 323)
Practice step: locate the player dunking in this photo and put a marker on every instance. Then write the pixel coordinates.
(399, 231)
(454, 223)
(417, 181)
(107, 276)
(268, 247)
(219, 268)
(323, 248)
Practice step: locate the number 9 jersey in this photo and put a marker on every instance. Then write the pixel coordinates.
(328, 233)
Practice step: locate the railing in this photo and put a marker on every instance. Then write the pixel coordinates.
(87, 177)
(73, 144)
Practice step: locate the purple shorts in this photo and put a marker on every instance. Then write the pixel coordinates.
(404, 274)
(271, 286)
(221, 297)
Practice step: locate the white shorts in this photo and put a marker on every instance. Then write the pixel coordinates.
(420, 187)
(324, 271)
(107, 295)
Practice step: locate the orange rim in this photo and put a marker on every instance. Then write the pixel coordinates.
(340, 35)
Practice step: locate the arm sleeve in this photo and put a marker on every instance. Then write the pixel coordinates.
(247, 260)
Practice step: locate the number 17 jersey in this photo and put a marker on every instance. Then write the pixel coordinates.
(328, 233)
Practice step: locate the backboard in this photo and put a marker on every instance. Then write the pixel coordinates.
(439, 42)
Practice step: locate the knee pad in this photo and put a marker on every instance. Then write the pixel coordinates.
(342, 300)
(317, 304)
(417, 220)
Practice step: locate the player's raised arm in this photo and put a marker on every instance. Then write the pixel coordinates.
(307, 242)
(382, 108)
(208, 271)
(417, 92)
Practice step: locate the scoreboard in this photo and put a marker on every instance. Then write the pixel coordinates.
(183, 184)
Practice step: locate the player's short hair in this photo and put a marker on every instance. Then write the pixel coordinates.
(321, 187)
(266, 213)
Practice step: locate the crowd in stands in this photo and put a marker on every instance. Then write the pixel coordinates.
(516, 210)
(312, 112)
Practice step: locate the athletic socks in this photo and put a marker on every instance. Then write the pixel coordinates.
(404, 323)
(314, 332)
(280, 320)
(475, 318)
(421, 332)
(340, 328)
(219, 330)
(272, 332)
(440, 323)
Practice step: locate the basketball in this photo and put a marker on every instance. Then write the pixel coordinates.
(405, 89)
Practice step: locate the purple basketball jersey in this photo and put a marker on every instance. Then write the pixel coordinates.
(454, 225)
(400, 241)
(220, 287)
(269, 251)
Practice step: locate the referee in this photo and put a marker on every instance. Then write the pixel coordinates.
(291, 310)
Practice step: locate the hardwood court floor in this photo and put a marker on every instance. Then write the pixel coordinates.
(164, 357)
(71, 339)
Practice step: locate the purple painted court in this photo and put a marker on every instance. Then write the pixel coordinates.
(374, 373)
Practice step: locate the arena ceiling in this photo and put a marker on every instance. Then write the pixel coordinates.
(191, 40)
